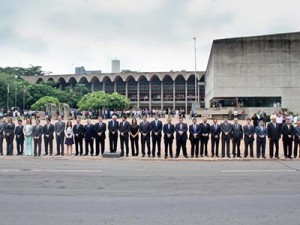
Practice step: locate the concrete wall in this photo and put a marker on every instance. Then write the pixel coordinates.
(266, 66)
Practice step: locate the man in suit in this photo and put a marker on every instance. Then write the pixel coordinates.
(181, 137)
(124, 127)
(215, 131)
(237, 136)
(261, 134)
(59, 129)
(37, 132)
(205, 130)
(113, 127)
(89, 136)
(48, 137)
(287, 130)
(195, 133)
(145, 129)
(297, 138)
(274, 137)
(249, 131)
(156, 129)
(2, 127)
(78, 131)
(100, 129)
(19, 138)
(226, 130)
(168, 130)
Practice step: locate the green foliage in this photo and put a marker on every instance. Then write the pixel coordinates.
(40, 105)
(20, 71)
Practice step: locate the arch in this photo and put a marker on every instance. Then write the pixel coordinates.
(130, 78)
(155, 78)
(142, 78)
(106, 78)
(83, 80)
(50, 79)
(40, 80)
(62, 80)
(167, 78)
(180, 88)
(191, 77)
(118, 78)
(72, 81)
(179, 78)
(95, 80)
(202, 79)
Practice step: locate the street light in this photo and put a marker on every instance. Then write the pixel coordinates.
(16, 89)
(195, 47)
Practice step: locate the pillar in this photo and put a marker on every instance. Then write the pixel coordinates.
(162, 95)
(92, 87)
(115, 86)
(186, 99)
(174, 94)
(150, 93)
(103, 86)
(138, 94)
(126, 89)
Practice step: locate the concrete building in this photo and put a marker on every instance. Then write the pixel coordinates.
(81, 70)
(260, 71)
(115, 66)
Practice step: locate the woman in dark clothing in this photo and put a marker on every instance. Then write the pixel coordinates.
(255, 120)
(134, 137)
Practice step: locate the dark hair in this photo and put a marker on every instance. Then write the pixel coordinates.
(48, 119)
(124, 116)
(69, 122)
(248, 119)
(134, 121)
(20, 121)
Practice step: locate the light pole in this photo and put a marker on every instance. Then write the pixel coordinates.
(195, 47)
(16, 89)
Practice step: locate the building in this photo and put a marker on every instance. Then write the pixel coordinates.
(163, 90)
(259, 71)
(115, 66)
(81, 70)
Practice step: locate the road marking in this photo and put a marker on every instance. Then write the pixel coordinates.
(256, 171)
(50, 171)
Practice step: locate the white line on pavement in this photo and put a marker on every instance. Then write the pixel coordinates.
(46, 170)
(256, 171)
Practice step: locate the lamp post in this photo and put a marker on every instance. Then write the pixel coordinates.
(196, 89)
(16, 89)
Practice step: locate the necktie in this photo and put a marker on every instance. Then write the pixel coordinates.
(113, 123)
(180, 126)
(100, 124)
(194, 128)
(168, 126)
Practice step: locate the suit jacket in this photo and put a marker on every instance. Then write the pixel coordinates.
(273, 131)
(196, 130)
(100, 129)
(215, 131)
(19, 133)
(78, 131)
(157, 128)
(205, 129)
(184, 129)
(124, 128)
(297, 133)
(237, 131)
(249, 132)
(2, 127)
(261, 132)
(37, 131)
(60, 128)
(167, 131)
(113, 128)
(286, 131)
(49, 131)
(89, 132)
(9, 129)
(145, 128)
(226, 128)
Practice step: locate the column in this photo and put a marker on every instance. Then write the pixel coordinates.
(174, 94)
(138, 94)
(150, 93)
(103, 85)
(126, 89)
(162, 96)
(115, 86)
(92, 87)
(186, 99)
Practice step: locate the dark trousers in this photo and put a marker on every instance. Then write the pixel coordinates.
(215, 147)
(226, 143)
(20, 146)
(9, 145)
(195, 147)
(203, 148)
(248, 144)
(60, 146)
(156, 140)
(78, 145)
(113, 142)
(48, 145)
(37, 146)
(168, 147)
(272, 143)
(100, 146)
(236, 147)
(181, 144)
(134, 145)
(287, 148)
(145, 140)
(1, 145)
(261, 147)
(89, 143)
(124, 141)
(296, 144)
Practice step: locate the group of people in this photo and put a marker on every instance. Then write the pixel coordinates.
(148, 135)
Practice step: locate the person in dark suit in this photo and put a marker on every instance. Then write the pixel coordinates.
(124, 127)
(156, 129)
(237, 136)
(59, 129)
(9, 130)
(2, 127)
(195, 133)
(226, 130)
(19, 138)
(215, 131)
(274, 137)
(113, 127)
(205, 130)
(78, 131)
(89, 135)
(100, 129)
(37, 132)
(249, 131)
(287, 131)
(48, 137)
(145, 129)
(261, 134)
(181, 137)
(134, 137)
(168, 130)
(297, 138)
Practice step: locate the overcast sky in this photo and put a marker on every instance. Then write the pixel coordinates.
(146, 35)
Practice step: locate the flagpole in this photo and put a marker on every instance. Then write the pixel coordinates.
(7, 99)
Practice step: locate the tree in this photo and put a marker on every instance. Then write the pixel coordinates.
(40, 105)
(117, 101)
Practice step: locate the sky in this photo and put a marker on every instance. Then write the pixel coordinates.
(145, 35)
